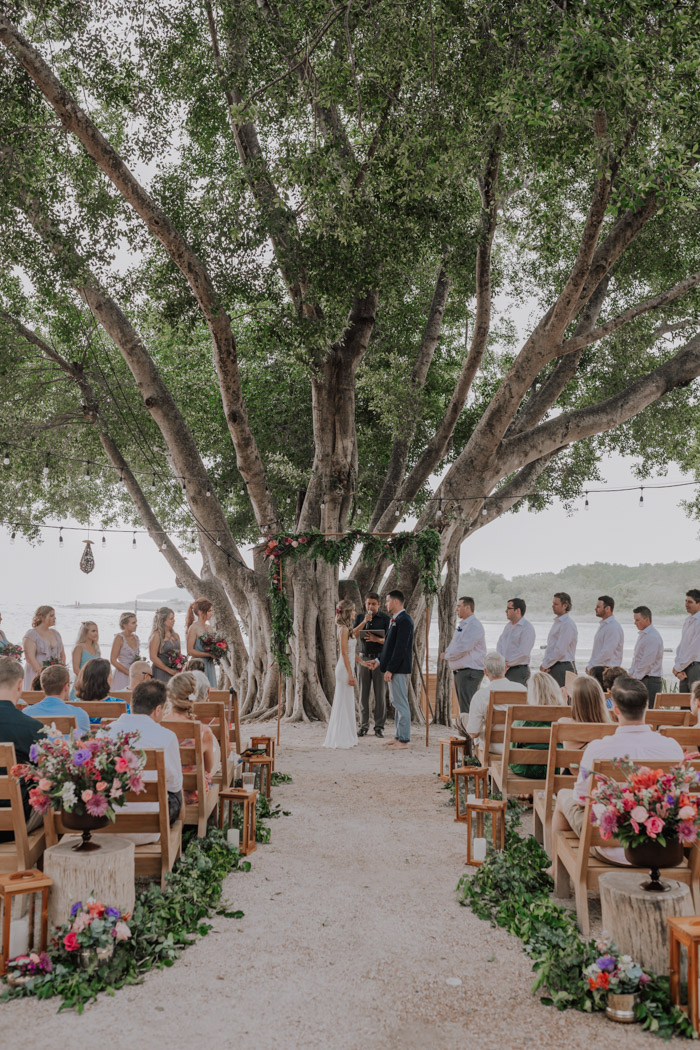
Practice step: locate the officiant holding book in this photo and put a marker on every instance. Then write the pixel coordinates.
(370, 630)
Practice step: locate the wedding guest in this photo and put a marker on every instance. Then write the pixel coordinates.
(163, 641)
(125, 650)
(609, 676)
(195, 667)
(87, 647)
(148, 703)
(55, 681)
(180, 692)
(3, 637)
(517, 642)
(42, 644)
(587, 705)
(686, 663)
(18, 729)
(542, 691)
(371, 678)
(560, 654)
(474, 724)
(695, 703)
(140, 671)
(648, 658)
(465, 653)
(609, 641)
(197, 624)
(396, 662)
(93, 683)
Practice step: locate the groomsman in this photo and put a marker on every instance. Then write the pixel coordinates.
(686, 664)
(465, 653)
(648, 659)
(517, 642)
(560, 654)
(609, 641)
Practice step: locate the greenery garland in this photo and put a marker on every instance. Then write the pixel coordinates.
(337, 550)
(511, 889)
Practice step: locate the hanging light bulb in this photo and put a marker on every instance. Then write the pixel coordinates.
(104, 540)
(438, 512)
(208, 489)
(121, 476)
(87, 471)
(60, 538)
(585, 506)
(184, 484)
(133, 542)
(193, 538)
(163, 544)
(153, 483)
(46, 464)
(641, 498)
(484, 511)
(12, 537)
(6, 457)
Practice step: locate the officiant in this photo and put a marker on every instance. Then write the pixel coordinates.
(370, 630)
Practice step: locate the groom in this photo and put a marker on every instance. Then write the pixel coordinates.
(396, 661)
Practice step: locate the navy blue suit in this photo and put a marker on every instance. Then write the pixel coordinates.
(397, 657)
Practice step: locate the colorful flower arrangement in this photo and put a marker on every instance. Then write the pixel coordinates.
(176, 661)
(650, 805)
(93, 925)
(52, 661)
(82, 775)
(613, 972)
(23, 967)
(214, 646)
(15, 652)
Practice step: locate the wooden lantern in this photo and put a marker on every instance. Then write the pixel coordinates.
(19, 883)
(451, 747)
(474, 780)
(486, 823)
(268, 742)
(260, 765)
(684, 932)
(248, 800)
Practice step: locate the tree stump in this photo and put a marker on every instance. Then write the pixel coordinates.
(107, 874)
(636, 919)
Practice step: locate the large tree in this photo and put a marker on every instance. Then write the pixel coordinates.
(267, 266)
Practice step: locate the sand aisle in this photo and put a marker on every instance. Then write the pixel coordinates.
(351, 929)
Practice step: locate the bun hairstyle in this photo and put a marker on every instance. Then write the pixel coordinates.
(41, 614)
(344, 613)
(181, 690)
(159, 619)
(124, 619)
(198, 605)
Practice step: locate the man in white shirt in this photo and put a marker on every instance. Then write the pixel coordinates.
(648, 659)
(686, 664)
(474, 724)
(465, 653)
(560, 654)
(632, 739)
(609, 641)
(147, 708)
(517, 642)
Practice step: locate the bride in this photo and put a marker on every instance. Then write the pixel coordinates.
(342, 731)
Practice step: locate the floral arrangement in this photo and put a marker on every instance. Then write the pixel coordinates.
(15, 652)
(93, 926)
(23, 967)
(612, 972)
(214, 646)
(650, 805)
(82, 775)
(51, 662)
(175, 661)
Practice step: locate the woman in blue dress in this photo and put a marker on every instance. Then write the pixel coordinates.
(87, 647)
(197, 624)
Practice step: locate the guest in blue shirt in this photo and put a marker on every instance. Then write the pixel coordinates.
(55, 681)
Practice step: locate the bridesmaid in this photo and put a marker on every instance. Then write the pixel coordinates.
(87, 647)
(163, 640)
(42, 643)
(125, 649)
(3, 637)
(197, 624)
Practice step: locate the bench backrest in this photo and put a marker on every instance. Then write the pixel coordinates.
(563, 761)
(63, 723)
(494, 731)
(121, 694)
(667, 717)
(189, 736)
(213, 714)
(107, 710)
(516, 738)
(672, 700)
(33, 696)
(229, 697)
(12, 816)
(687, 736)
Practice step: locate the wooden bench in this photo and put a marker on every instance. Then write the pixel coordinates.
(213, 714)
(32, 696)
(27, 847)
(494, 730)
(515, 749)
(65, 724)
(194, 779)
(121, 694)
(105, 710)
(668, 717)
(672, 700)
(154, 858)
(687, 736)
(562, 771)
(229, 697)
(575, 862)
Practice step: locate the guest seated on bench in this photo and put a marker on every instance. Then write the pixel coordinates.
(609, 676)
(181, 696)
(18, 729)
(542, 691)
(93, 683)
(139, 671)
(473, 724)
(587, 705)
(55, 681)
(148, 702)
(695, 702)
(195, 667)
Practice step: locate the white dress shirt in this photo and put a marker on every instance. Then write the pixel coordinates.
(561, 642)
(468, 645)
(608, 644)
(635, 742)
(688, 650)
(648, 656)
(479, 707)
(516, 642)
(153, 735)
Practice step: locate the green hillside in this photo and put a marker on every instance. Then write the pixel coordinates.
(660, 586)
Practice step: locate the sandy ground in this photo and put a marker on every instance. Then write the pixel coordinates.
(350, 933)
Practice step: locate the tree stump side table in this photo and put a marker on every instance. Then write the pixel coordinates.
(107, 874)
(636, 919)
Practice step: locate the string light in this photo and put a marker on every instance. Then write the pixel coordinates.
(133, 542)
(60, 538)
(163, 545)
(121, 476)
(12, 537)
(6, 457)
(484, 512)
(87, 471)
(153, 484)
(641, 498)
(46, 464)
(585, 506)
(104, 540)
(208, 489)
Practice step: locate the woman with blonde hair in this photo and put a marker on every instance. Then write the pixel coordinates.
(87, 647)
(197, 624)
(163, 643)
(542, 691)
(342, 729)
(181, 690)
(42, 644)
(125, 649)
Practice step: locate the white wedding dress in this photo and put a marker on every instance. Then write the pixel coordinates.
(342, 729)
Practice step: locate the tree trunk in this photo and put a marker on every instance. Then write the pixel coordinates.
(447, 601)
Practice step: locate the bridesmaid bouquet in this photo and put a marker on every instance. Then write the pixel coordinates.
(175, 661)
(15, 652)
(214, 646)
(52, 660)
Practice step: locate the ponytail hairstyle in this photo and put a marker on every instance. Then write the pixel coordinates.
(41, 614)
(198, 605)
(83, 633)
(159, 619)
(124, 619)
(344, 613)
(181, 690)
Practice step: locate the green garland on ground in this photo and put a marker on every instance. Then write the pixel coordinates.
(511, 889)
(338, 551)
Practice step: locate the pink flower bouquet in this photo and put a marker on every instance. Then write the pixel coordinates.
(82, 775)
(650, 806)
(15, 652)
(175, 661)
(214, 646)
(93, 925)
